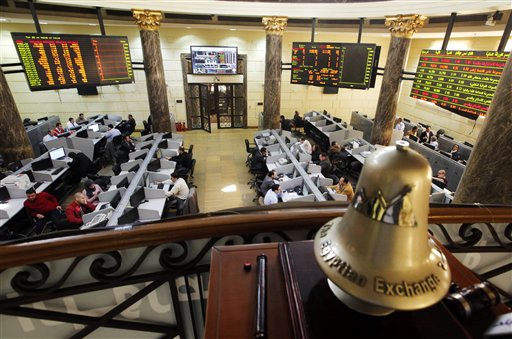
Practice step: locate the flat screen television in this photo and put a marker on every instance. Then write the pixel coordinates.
(54, 61)
(462, 82)
(214, 59)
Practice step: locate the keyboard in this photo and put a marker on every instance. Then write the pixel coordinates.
(102, 207)
(160, 186)
(58, 170)
(99, 219)
(37, 184)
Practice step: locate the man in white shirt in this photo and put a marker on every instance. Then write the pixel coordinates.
(433, 142)
(400, 126)
(111, 133)
(306, 145)
(49, 136)
(179, 191)
(71, 124)
(272, 196)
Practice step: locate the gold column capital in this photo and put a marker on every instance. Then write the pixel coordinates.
(146, 19)
(275, 25)
(404, 26)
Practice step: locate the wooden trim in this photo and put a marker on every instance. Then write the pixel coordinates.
(237, 221)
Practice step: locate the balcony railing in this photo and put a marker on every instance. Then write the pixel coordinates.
(153, 278)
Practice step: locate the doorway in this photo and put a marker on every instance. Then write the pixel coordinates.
(217, 100)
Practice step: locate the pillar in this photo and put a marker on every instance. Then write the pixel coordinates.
(487, 178)
(402, 28)
(15, 144)
(274, 27)
(149, 23)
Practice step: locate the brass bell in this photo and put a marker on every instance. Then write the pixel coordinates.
(378, 258)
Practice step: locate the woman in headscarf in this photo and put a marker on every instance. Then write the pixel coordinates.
(91, 192)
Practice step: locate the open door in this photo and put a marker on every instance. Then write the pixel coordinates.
(200, 103)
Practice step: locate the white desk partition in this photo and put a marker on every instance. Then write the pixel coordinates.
(59, 142)
(86, 146)
(169, 153)
(304, 157)
(154, 207)
(118, 178)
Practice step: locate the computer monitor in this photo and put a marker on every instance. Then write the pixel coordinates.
(140, 156)
(137, 197)
(42, 164)
(64, 135)
(447, 136)
(167, 136)
(439, 183)
(94, 127)
(148, 146)
(134, 168)
(115, 200)
(43, 119)
(85, 122)
(287, 140)
(123, 183)
(82, 134)
(468, 144)
(30, 175)
(149, 138)
(57, 154)
(129, 217)
(163, 144)
(154, 165)
(430, 146)
(413, 137)
(446, 154)
(338, 120)
(75, 128)
(4, 193)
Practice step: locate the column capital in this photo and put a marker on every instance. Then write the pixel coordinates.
(404, 26)
(275, 25)
(146, 19)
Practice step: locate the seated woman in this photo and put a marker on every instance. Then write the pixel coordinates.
(455, 152)
(91, 192)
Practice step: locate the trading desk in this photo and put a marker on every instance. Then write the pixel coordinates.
(232, 306)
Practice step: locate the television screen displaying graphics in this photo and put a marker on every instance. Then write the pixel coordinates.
(214, 59)
(57, 154)
(462, 82)
(358, 65)
(53, 61)
(316, 63)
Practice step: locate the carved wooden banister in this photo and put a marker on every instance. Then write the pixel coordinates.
(236, 221)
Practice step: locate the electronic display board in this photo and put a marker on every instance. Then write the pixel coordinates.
(358, 63)
(214, 59)
(54, 61)
(316, 63)
(463, 82)
(347, 65)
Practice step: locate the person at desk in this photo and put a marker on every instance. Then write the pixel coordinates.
(455, 152)
(183, 159)
(49, 136)
(344, 187)
(399, 126)
(131, 123)
(315, 154)
(81, 118)
(44, 207)
(306, 145)
(259, 160)
(297, 120)
(326, 166)
(268, 182)
(286, 124)
(440, 177)
(427, 135)
(71, 123)
(413, 133)
(77, 209)
(111, 133)
(58, 130)
(80, 166)
(434, 142)
(273, 195)
(125, 148)
(179, 191)
(334, 149)
(91, 192)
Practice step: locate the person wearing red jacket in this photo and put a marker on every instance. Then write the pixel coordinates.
(44, 207)
(77, 209)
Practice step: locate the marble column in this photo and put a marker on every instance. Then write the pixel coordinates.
(487, 178)
(15, 144)
(149, 23)
(274, 27)
(402, 28)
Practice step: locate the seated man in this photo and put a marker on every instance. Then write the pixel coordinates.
(344, 187)
(77, 209)
(179, 191)
(440, 178)
(125, 148)
(286, 124)
(268, 182)
(183, 159)
(306, 145)
(297, 120)
(58, 129)
(259, 161)
(273, 195)
(44, 207)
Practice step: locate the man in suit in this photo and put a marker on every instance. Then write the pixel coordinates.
(259, 161)
(427, 135)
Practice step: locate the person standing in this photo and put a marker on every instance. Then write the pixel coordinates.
(76, 210)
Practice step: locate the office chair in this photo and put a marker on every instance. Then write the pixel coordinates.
(250, 152)
(116, 141)
(192, 168)
(190, 148)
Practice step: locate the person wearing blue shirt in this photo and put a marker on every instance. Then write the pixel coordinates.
(111, 133)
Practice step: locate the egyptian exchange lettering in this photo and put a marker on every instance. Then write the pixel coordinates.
(341, 266)
(406, 289)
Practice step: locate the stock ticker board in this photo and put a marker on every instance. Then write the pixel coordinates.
(54, 61)
(463, 82)
(358, 65)
(316, 63)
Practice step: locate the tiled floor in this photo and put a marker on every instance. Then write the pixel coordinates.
(220, 173)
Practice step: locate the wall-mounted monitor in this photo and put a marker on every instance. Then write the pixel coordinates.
(347, 65)
(54, 61)
(214, 59)
(462, 82)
